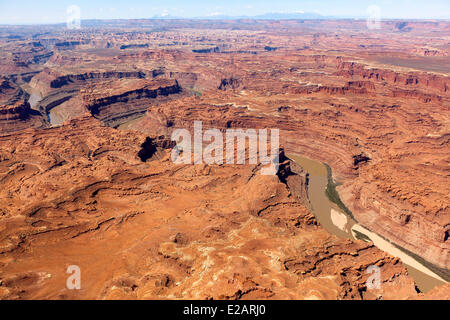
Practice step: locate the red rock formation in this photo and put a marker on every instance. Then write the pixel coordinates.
(159, 230)
(375, 109)
(15, 111)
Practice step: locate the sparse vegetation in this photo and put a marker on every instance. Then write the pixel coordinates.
(361, 236)
(333, 195)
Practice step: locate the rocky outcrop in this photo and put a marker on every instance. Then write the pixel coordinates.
(415, 80)
(15, 112)
(156, 230)
(229, 83)
(295, 178)
(64, 80)
(123, 99)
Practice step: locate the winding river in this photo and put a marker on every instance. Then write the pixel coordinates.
(340, 223)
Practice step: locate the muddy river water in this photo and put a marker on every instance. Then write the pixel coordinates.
(340, 223)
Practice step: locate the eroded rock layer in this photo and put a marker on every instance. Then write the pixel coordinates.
(373, 104)
(154, 229)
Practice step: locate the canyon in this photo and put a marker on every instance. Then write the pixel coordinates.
(87, 179)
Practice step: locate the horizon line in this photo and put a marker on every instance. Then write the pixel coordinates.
(225, 18)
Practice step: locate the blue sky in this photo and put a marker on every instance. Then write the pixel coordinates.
(45, 11)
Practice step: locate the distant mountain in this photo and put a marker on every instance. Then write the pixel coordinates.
(287, 16)
(166, 17)
(266, 16)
